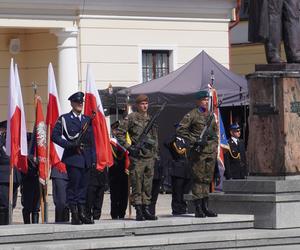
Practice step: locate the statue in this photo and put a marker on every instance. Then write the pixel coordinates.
(270, 22)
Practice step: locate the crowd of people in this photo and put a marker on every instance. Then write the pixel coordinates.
(136, 173)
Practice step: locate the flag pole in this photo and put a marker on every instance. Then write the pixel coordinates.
(129, 183)
(41, 190)
(11, 186)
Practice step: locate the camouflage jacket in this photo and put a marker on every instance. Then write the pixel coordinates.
(134, 124)
(191, 126)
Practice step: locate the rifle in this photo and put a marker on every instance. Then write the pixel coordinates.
(202, 140)
(83, 132)
(134, 149)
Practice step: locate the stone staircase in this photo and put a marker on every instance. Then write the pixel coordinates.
(223, 232)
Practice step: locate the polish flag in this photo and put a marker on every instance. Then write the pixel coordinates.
(102, 141)
(16, 137)
(53, 112)
(41, 142)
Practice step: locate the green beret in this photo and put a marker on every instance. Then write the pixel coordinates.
(202, 94)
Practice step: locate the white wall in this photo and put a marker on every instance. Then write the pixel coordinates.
(113, 45)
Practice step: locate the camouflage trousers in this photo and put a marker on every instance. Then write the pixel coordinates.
(141, 176)
(203, 166)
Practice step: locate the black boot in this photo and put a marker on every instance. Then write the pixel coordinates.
(96, 214)
(66, 214)
(147, 214)
(4, 220)
(82, 215)
(26, 216)
(207, 212)
(198, 209)
(139, 213)
(88, 214)
(75, 217)
(59, 215)
(35, 218)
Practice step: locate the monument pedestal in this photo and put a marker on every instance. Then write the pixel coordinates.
(272, 192)
(275, 203)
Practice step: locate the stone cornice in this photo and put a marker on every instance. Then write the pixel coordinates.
(67, 9)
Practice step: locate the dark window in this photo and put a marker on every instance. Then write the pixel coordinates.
(155, 64)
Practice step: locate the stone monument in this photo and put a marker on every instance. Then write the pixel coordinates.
(272, 191)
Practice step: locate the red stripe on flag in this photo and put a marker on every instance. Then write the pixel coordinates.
(102, 142)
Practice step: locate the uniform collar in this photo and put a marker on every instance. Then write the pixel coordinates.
(202, 110)
(79, 116)
(235, 140)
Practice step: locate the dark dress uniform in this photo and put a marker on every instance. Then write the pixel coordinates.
(59, 192)
(118, 183)
(203, 162)
(4, 181)
(235, 158)
(95, 193)
(79, 159)
(30, 186)
(181, 184)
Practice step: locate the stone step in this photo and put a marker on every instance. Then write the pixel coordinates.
(48, 234)
(218, 239)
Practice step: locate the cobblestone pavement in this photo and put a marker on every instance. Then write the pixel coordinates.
(163, 207)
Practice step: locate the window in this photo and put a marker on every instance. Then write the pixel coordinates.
(155, 64)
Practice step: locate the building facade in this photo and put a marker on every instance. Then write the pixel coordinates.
(126, 42)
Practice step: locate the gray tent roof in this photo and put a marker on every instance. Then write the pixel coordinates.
(180, 86)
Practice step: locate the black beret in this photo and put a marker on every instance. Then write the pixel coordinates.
(77, 97)
(3, 124)
(115, 125)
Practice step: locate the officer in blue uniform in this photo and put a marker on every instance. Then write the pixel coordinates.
(59, 191)
(79, 155)
(4, 178)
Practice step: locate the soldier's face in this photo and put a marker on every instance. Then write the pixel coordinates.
(77, 106)
(203, 103)
(142, 106)
(235, 133)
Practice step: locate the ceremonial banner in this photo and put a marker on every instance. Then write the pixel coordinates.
(16, 137)
(41, 142)
(53, 112)
(93, 104)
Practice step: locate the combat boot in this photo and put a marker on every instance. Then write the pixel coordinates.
(4, 216)
(26, 216)
(139, 213)
(82, 215)
(147, 214)
(75, 217)
(35, 218)
(198, 209)
(66, 216)
(207, 212)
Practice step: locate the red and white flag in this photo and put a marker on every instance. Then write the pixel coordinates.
(16, 137)
(93, 104)
(41, 141)
(53, 112)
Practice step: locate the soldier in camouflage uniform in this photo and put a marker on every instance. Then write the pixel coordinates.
(141, 168)
(203, 162)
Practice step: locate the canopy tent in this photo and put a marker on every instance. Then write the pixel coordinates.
(179, 87)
